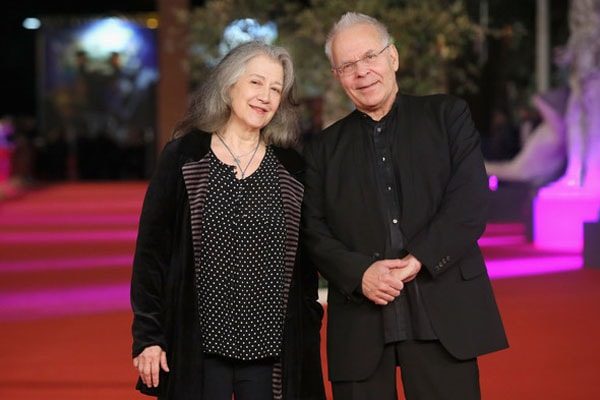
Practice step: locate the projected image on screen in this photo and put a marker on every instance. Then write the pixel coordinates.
(98, 94)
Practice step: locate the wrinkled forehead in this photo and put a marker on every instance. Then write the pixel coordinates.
(354, 42)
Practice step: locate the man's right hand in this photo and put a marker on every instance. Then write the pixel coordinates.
(379, 285)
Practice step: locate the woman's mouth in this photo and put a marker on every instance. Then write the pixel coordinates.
(260, 110)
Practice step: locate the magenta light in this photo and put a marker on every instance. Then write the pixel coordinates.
(504, 229)
(70, 263)
(92, 207)
(493, 183)
(64, 237)
(56, 302)
(533, 266)
(10, 219)
(559, 214)
(499, 241)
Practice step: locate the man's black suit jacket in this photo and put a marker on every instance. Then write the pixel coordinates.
(444, 194)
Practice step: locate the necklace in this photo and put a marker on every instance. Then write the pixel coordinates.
(237, 159)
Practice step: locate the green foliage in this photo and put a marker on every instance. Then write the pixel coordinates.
(432, 36)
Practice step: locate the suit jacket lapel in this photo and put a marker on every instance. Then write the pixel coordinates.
(403, 137)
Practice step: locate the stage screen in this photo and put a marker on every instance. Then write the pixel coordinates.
(97, 94)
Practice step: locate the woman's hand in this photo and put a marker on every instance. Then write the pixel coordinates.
(148, 363)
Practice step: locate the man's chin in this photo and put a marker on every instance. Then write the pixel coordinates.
(369, 106)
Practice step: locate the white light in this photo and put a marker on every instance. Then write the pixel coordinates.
(31, 23)
(107, 35)
(245, 30)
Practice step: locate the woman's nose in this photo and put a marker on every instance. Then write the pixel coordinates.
(264, 95)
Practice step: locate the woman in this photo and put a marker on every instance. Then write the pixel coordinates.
(223, 300)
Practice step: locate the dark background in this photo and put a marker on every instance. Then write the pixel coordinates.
(18, 45)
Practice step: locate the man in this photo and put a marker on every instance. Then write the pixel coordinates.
(394, 204)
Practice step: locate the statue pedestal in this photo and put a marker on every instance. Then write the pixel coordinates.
(559, 212)
(591, 248)
(561, 208)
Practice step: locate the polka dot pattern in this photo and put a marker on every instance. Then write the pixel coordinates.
(241, 280)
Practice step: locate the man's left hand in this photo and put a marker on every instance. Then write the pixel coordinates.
(408, 269)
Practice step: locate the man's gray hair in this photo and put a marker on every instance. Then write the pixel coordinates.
(211, 105)
(351, 19)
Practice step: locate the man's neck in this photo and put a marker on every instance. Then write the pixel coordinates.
(379, 113)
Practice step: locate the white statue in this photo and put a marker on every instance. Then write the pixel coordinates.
(542, 157)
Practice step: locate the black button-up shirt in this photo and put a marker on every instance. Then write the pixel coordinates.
(405, 317)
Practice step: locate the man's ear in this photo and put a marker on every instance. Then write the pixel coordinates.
(395, 57)
(335, 74)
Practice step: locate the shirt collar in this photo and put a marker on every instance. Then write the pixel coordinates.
(366, 119)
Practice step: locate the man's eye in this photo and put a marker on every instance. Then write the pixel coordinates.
(370, 57)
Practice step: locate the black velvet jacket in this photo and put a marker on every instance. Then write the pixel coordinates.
(163, 293)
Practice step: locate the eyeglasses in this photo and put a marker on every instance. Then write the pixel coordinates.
(349, 68)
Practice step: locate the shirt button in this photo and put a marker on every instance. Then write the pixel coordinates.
(389, 188)
(383, 159)
(395, 221)
(378, 129)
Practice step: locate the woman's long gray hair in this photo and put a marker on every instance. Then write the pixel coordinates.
(210, 108)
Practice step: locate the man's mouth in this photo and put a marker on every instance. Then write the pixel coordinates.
(370, 85)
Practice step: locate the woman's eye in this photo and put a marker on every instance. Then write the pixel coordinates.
(276, 90)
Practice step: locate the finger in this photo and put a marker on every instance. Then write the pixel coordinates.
(155, 371)
(147, 374)
(393, 282)
(143, 377)
(389, 291)
(392, 286)
(385, 297)
(136, 362)
(395, 263)
(384, 300)
(375, 299)
(163, 361)
(379, 301)
(140, 366)
(401, 275)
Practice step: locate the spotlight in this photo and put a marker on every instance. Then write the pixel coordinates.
(31, 23)
(152, 23)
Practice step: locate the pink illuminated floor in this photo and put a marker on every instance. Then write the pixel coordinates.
(67, 249)
(65, 265)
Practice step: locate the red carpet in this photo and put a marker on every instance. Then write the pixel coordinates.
(65, 254)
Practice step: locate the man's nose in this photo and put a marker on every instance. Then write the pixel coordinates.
(361, 68)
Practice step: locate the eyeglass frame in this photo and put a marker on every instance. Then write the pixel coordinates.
(368, 59)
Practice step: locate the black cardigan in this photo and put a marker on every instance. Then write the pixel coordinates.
(163, 294)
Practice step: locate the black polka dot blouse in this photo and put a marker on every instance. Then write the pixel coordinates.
(242, 262)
